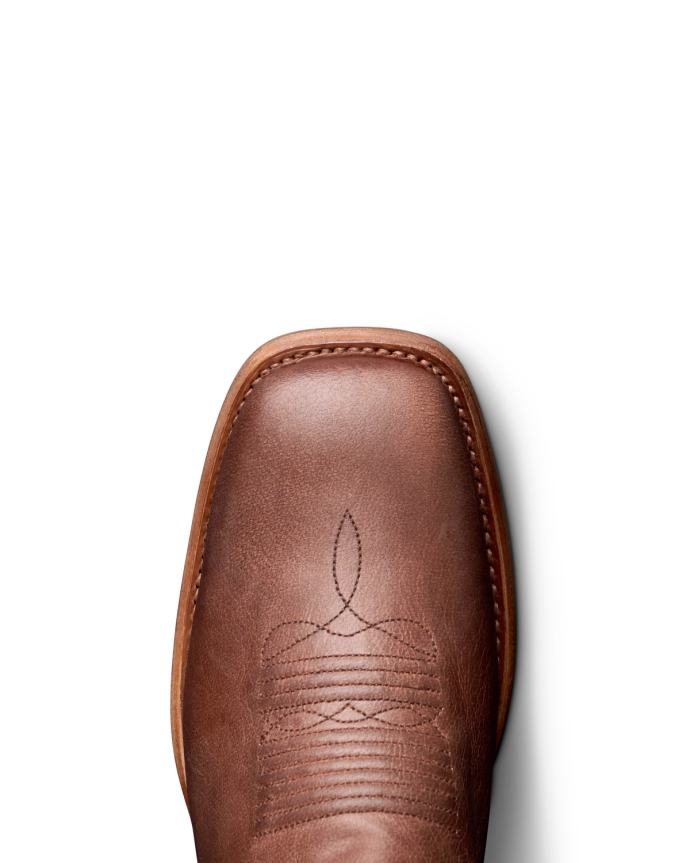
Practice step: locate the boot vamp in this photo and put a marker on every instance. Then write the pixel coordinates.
(341, 688)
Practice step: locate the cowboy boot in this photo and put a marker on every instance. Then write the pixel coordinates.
(344, 650)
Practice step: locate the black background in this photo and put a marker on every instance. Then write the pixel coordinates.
(524, 380)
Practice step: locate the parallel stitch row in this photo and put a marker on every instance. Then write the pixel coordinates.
(383, 768)
(409, 729)
(358, 755)
(351, 656)
(381, 783)
(360, 812)
(363, 797)
(348, 742)
(383, 352)
(341, 670)
(351, 685)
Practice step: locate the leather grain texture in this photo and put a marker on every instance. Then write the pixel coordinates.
(341, 689)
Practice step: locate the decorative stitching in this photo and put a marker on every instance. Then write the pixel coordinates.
(346, 602)
(348, 703)
(318, 627)
(353, 656)
(374, 691)
(339, 670)
(382, 769)
(326, 717)
(308, 709)
(351, 685)
(347, 783)
(409, 729)
(364, 797)
(294, 766)
(359, 812)
(347, 607)
(346, 742)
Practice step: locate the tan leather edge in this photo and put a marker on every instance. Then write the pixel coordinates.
(272, 352)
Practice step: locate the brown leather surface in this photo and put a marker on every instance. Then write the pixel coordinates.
(341, 690)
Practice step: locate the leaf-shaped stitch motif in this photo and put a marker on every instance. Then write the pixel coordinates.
(347, 559)
(347, 631)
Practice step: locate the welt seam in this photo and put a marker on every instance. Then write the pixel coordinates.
(463, 416)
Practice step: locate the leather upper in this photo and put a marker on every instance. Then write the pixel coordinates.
(342, 683)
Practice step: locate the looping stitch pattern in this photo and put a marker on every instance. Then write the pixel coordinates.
(287, 640)
(381, 704)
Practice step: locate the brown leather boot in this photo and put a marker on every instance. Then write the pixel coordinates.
(345, 641)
